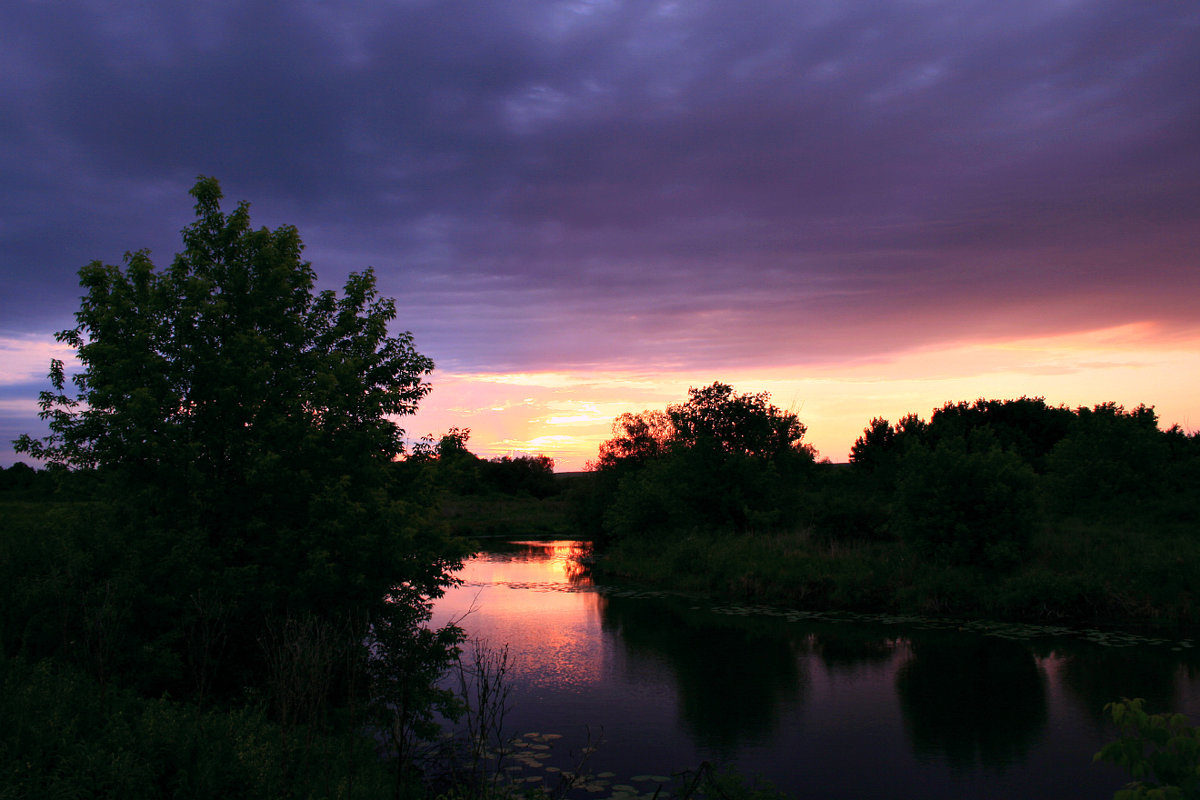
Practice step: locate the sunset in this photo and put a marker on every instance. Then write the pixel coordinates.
(600, 399)
(567, 415)
(586, 208)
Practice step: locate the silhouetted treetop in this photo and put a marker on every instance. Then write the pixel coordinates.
(744, 424)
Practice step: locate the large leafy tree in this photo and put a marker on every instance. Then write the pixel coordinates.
(227, 358)
(738, 424)
(719, 461)
(245, 422)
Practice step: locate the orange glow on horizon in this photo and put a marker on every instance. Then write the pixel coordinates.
(566, 415)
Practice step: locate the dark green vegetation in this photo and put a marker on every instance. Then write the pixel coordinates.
(1011, 509)
(505, 496)
(1160, 751)
(219, 586)
(719, 462)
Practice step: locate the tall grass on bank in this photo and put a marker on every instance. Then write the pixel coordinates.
(65, 737)
(1086, 571)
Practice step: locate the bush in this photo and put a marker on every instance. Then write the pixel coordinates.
(531, 475)
(966, 505)
(1161, 751)
(720, 461)
(1108, 457)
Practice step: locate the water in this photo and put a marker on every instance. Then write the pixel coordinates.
(646, 684)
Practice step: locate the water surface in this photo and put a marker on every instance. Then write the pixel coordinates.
(821, 705)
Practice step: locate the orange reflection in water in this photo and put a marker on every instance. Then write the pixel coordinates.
(536, 598)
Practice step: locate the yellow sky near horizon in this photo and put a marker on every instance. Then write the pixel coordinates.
(566, 415)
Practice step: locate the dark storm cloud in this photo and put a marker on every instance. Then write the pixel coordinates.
(581, 183)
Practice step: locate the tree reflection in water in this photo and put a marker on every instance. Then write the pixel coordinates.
(936, 707)
(725, 702)
(1101, 675)
(975, 700)
(848, 649)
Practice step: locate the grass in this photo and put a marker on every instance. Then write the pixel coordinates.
(1116, 572)
(475, 516)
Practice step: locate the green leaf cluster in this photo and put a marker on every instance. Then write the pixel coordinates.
(1161, 752)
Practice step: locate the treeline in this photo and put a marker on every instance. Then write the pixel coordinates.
(447, 464)
(971, 484)
(983, 498)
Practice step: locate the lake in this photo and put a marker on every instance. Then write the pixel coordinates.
(639, 685)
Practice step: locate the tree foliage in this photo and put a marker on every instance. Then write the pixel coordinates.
(1109, 455)
(966, 502)
(1024, 426)
(226, 369)
(720, 460)
(882, 443)
(1161, 752)
(243, 423)
(449, 465)
(715, 417)
(636, 439)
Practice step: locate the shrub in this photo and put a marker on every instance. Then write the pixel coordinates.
(966, 505)
(1160, 751)
(1108, 456)
(720, 461)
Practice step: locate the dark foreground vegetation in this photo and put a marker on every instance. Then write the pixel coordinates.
(1008, 508)
(221, 583)
(218, 589)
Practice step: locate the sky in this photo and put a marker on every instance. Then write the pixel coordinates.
(585, 208)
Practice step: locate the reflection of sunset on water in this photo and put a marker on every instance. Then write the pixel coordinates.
(660, 682)
(501, 592)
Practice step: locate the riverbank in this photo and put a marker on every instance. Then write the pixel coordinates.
(1112, 572)
(1137, 569)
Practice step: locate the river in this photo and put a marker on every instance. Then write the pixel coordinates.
(634, 686)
